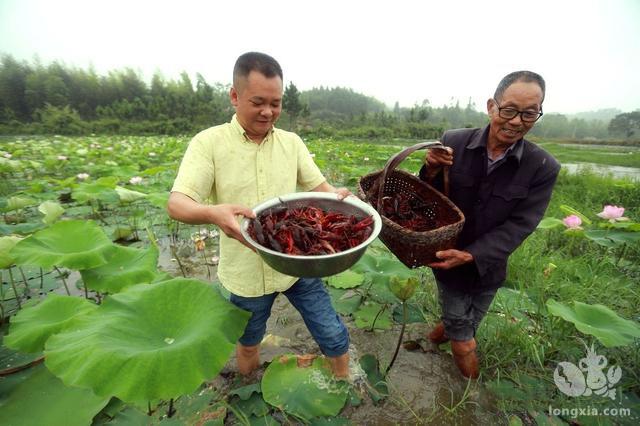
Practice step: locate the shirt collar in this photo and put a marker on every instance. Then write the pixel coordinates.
(480, 141)
(240, 130)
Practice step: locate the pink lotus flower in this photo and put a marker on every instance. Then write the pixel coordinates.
(572, 222)
(612, 213)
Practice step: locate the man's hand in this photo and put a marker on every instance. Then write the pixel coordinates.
(343, 193)
(436, 158)
(224, 215)
(451, 259)
(326, 187)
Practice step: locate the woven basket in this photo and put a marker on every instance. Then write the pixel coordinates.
(413, 248)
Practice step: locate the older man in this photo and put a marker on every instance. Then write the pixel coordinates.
(503, 184)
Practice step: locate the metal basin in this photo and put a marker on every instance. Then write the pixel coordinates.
(318, 265)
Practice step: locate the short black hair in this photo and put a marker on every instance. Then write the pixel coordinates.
(524, 76)
(256, 61)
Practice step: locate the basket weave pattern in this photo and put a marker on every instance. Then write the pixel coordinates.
(412, 248)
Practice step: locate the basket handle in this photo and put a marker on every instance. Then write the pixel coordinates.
(393, 162)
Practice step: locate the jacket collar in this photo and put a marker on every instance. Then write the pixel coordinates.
(479, 140)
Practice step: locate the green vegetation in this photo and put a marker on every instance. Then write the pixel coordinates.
(74, 214)
(57, 99)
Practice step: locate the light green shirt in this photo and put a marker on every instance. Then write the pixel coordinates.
(223, 165)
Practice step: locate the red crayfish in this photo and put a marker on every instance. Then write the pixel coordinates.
(309, 231)
(410, 212)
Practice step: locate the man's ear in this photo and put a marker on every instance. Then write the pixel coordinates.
(491, 104)
(233, 96)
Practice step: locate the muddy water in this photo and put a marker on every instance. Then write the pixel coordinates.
(425, 387)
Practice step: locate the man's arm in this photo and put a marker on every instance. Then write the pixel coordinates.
(184, 209)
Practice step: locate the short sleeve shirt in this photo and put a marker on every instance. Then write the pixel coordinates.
(223, 166)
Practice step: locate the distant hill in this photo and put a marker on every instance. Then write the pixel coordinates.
(605, 114)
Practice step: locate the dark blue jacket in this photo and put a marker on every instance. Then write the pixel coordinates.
(501, 209)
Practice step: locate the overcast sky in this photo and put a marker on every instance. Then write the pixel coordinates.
(407, 51)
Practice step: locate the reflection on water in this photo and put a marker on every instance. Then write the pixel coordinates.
(601, 169)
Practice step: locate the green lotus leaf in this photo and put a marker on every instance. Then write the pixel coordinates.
(599, 321)
(17, 203)
(73, 244)
(159, 199)
(346, 279)
(253, 406)
(51, 211)
(370, 312)
(121, 233)
(21, 228)
(101, 189)
(378, 389)
(345, 302)
(125, 266)
(306, 392)
(549, 223)
(6, 244)
(42, 399)
(129, 196)
(32, 326)
(150, 342)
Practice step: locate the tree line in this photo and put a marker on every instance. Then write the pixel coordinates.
(56, 98)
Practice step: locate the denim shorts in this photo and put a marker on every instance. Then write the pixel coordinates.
(462, 312)
(311, 299)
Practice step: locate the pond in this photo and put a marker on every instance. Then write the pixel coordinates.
(618, 172)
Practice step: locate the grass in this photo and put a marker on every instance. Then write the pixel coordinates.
(520, 342)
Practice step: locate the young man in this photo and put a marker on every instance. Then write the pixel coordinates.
(503, 184)
(239, 165)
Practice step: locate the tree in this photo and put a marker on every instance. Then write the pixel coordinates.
(291, 103)
(626, 124)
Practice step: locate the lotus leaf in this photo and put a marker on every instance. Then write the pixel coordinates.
(346, 279)
(150, 342)
(159, 199)
(101, 189)
(370, 312)
(121, 233)
(125, 266)
(345, 302)
(32, 326)
(549, 223)
(129, 196)
(378, 389)
(42, 399)
(51, 211)
(6, 244)
(75, 244)
(305, 392)
(20, 228)
(17, 203)
(599, 321)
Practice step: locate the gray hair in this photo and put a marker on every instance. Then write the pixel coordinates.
(524, 76)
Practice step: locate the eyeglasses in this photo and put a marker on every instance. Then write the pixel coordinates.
(509, 113)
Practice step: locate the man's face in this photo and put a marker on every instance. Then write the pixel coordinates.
(258, 103)
(521, 96)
